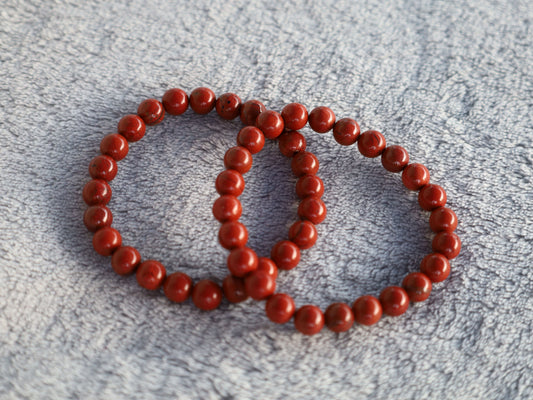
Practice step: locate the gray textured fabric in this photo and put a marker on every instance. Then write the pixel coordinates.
(451, 81)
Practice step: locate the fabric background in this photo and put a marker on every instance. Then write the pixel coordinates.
(451, 81)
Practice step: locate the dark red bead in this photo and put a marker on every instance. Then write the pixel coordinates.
(178, 287)
(294, 116)
(259, 285)
(103, 167)
(230, 182)
(309, 185)
(132, 127)
(250, 110)
(394, 301)
(242, 261)
(232, 235)
(394, 158)
(151, 274)
(346, 131)
(339, 317)
(303, 234)
(443, 219)
(309, 320)
(228, 106)
(151, 111)
(436, 267)
(304, 163)
(415, 176)
(371, 143)
(114, 146)
(97, 217)
(175, 101)
(291, 142)
(312, 209)
(125, 259)
(252, 138)
(239, 159)
(227, 208)
(417, 285)
(280, 308)
(270, 123)
(202, 100)
(367, 310)
(322, 119)
(96, 192)
(234, 289)
(431, 196)
(447, 243)
(206, 295)
(106, 241)
(285, 254)
(268, 266)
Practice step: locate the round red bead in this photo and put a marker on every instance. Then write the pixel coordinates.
(114, 146)
(431, 196)
(285, 254)
(125, 259)
(268, 266)
(96, 192)
(371, 143)
(232, 235)
(97, 217)
(303, 234)
(250, 110)
(230, 182)
(252, 138)
(447, 243)
(291, 142)
(259, 285)
(394, 300)
(234, 289)
(150, 274)
(346, 131)
(132, 127)
(443, 219)
(227, 208)
(280, 308)
(394, 158)
(175, 101)
(178, 287)
(239, 159)
(321, 119)
(271, 124)
(436, 267)
(151, 111)
(228, 106)
(304, 163)
(415, 176)
(367, 310)
(206, 295)
(309, 320)
(106, 241)
(202, 100)
(339, 317)
(417, 285)
(242, 261)
(312, 209)
(309, 185)
(103, 167)
(294, 116)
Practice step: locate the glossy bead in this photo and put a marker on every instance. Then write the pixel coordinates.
(436, 267)
(206, 295)
(96, 192)
(291, 142)
(417, 285)
(202, 100)
(178, 287)
(250, 110)
(259, 285)
(228, 106)
(270, 123)
(447, 243)
(114, 146)
(339, 317)
(106, 241)
(285, 254)
(234, 289)
(304, 163)
(312, 209)
(97, 217)
(232, 235)
(280, 308)
(151, 274)
(443, 219)
(175, 101)
(227, 208)
(239, 159)
(151, 111)
(252, 138)
(371, 143)
(230, 182)
(367, 310)
(132, 127)
(394, 300)
(321, 119)
(294, 116)
(268, 266)
(242, 261)
(431, 196)
(394, 158)
(125, 259)
(303, 234)
(309, 320)
(103, 167)
(309, 185)
(346, 131)
(415, 176)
